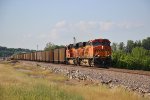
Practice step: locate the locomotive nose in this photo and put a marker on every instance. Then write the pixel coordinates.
(102, 51)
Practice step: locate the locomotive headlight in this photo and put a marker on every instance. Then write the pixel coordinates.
(102, 47)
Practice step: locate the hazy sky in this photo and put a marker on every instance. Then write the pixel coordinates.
(26, 23)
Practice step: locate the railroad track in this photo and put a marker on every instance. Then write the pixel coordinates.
(139, 72)
(147, 73)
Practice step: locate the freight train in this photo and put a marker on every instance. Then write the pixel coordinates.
(93, 52)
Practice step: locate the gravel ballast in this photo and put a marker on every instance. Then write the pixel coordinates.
(134, 82)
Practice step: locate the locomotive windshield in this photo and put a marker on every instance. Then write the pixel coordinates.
(104, 43)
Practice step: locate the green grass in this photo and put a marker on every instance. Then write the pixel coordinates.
(16, 85)
(20, 85)
(36, 92)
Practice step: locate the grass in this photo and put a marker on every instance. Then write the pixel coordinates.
(16, 85)
(20, 82)
(38, 91)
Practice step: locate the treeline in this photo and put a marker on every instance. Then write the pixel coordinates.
(50, 46)
(7, 52)
(134, 55)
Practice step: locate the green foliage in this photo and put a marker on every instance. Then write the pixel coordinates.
(36, 92)
(6, 52)
(138, 44)
(114, 46)
(50, 46)
(146, 43)
(139, 58)
(139, 52)
(121, 46)
(135, 55)
(130, 45)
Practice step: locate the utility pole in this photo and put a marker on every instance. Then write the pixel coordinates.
(74, 40)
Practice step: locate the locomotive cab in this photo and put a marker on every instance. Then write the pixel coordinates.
(102, 51)
(71, 53)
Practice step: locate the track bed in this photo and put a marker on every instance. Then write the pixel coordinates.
(134, 80)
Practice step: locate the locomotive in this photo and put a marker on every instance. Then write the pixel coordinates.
(93, 52)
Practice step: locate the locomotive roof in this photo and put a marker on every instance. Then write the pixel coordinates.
(81, 43)
(101, 40)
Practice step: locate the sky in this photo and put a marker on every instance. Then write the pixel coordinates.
(28, 23)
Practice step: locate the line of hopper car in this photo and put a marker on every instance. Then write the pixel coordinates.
(93, 52)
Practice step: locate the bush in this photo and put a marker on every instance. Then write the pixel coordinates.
(139, 59)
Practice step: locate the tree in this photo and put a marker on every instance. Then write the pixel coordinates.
(137, 44)
(146, 43)
(137, 55)
(6, 52)
(50, 46)
(114, 46)
(121, 46)
(139, 52)
(130, 46)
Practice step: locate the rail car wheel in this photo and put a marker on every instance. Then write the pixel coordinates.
(91, 62)
(67, 62)
(105, 64)
(75, 62)
(109, 61)
(79, 62)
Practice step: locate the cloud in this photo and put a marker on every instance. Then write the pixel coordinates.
(81, 26)
(91, 26)
(106, 26)
(84, 27)
(129, 25)
(61, 24)
(58, 28)
(64, 31)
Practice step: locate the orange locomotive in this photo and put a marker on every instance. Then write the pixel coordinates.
(93, 52)
(71, 53)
